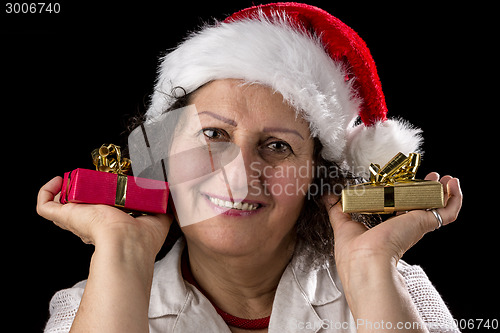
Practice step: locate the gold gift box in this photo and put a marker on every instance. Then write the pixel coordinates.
(368, 198)
(393, 188)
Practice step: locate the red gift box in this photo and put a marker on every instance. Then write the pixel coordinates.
(131, 193)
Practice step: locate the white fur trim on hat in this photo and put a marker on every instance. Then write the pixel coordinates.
(294, 63)
(379, 143)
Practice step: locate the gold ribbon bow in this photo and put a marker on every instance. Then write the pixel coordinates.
(393, 188)
(399, 169)
(108, 158)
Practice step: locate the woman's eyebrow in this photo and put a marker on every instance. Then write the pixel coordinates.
(284, 130)
(219, 117)
(266, 129)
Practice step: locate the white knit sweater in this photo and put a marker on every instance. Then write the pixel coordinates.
(314, 297)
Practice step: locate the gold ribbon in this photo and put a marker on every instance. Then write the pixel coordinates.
(121, 190)
(399, 169)
(396, 178)
(108, 158)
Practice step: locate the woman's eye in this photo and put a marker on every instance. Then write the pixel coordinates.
(280, 147)
(214, 134)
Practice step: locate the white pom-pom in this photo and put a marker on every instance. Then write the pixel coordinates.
(379, 143)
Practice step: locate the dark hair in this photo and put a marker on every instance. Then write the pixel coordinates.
(313, 227)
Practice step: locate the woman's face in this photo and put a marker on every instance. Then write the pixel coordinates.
(251, 158)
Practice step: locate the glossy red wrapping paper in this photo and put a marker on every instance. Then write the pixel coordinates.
(96, 187)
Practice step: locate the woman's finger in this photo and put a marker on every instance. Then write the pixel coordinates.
(342, 223)
(57, 198)
(411, 227)
(432, 176)
(46, 206)
(453, 200)
(427, 221)
(451, 191)
(444, 181)
(56, 212)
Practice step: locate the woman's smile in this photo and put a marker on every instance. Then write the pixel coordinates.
(232, 207)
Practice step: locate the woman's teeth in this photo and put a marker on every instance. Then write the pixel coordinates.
(234, 205)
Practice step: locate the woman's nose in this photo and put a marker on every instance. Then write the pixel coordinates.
(241, 169)
(233, 172)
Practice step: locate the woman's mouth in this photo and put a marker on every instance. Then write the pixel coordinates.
(233, 205)
(230, 206)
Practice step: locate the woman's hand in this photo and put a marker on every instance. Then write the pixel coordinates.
(392, 238)
(366, 258)
(116, 296)
(96, 224)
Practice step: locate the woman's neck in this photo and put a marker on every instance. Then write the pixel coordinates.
(243, 286)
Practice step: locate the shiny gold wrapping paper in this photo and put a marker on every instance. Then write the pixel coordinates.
(393, 188)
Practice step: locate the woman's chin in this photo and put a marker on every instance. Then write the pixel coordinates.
(224, 237)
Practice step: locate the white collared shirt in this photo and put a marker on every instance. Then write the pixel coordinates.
(307, 300)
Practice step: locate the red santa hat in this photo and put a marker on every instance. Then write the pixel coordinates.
(320, 66)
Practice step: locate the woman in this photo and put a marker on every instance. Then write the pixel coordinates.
(265, 245)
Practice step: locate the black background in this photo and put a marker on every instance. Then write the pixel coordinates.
(70, 82)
